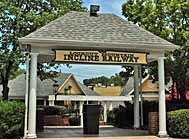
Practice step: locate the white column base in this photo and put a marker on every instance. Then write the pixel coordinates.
(163, 134)
(31, 136)
(105, 112)
(81, 112)
(45, 102)
(51, 103)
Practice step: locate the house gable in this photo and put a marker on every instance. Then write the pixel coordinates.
(149, 86)
(71, 87)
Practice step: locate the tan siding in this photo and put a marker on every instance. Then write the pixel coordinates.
(108, 91)
(75, 89)
(146, 87)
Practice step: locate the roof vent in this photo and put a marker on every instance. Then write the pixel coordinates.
(94, 9)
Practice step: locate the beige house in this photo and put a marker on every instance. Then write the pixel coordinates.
(67, 85)
(149, 89)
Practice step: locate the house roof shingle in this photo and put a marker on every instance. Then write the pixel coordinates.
(129, 86)
(87, 91)
(44, 88)
(105, 28)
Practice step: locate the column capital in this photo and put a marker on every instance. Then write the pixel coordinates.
(161, 58)
(135, 66)
(35, 54)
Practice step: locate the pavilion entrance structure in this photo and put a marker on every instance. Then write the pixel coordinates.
(81, 37)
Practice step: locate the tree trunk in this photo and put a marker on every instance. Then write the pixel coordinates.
(5, 80)
(5, 92)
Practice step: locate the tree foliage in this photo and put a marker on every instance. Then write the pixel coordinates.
(105, 81)
(19, 18)
(168, 19)
(11, 119)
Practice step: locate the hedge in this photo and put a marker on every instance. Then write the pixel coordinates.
(11, 119)
(123, 116)
(54, 110)
(74, 121)
(178, 123)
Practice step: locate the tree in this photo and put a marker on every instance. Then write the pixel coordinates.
(15, 74)
(129, 72)
(117, 80)
(105, 81)
(102, 80)
(168, 19)
(19, 18)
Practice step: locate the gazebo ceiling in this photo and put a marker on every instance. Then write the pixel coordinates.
(79, 30)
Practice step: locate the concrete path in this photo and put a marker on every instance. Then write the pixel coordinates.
(133, 137)
(104, 133)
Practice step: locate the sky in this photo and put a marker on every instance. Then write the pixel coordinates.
(106, 6)
(84, 71)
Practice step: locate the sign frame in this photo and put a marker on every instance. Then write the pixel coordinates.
(100, 52)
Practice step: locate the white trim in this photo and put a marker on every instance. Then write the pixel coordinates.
(78, 84)
(89, 98)
(143, 80)
(97, 44)
(71, 75)
(64, 83)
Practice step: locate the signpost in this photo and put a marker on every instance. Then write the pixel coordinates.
(96, 57)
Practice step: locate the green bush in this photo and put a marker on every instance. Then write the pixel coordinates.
(74, 121)
(123, 116)
(55, 110)
(178, 123)
(110, 117)
(11, 119)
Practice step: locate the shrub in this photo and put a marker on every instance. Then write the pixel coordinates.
(11, 119)
(178, 123)
(110, 117)
(55, 110)
(123, 116)
(74, 121)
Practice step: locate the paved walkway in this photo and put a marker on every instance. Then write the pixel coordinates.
(133, 137)
(104, 133)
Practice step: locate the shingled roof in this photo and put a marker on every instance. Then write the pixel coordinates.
(105, 28)
(87, 91)
(44, 88)
(128, 89)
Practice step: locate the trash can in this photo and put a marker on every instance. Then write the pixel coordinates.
(91, 115)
